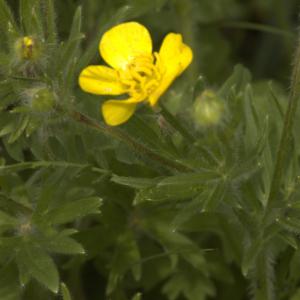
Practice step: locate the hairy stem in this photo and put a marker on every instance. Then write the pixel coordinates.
(176, 125)
(264, 277)
(47, 164)
(286, 135)
(129, 141)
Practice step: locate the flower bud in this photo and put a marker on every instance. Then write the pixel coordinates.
(43, 100)
(208, 109)
(27, 48)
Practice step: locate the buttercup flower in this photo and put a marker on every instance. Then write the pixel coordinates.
(136, 71)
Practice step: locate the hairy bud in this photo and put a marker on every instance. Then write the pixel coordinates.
(208, 109)
(27, 48)
(43, 100)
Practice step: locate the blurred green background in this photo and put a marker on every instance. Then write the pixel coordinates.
(257, 33)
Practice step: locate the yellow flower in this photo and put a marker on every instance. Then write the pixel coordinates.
(136, 71)
(25, 46)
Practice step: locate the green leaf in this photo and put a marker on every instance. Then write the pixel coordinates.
(74, 210)
(51, 31)
(7, 22)
(24, 273)
(176, 124)
(213, 195)
(182, 186)
(68, 51)
(65, 292)
(190, 179)
(147, 132)
(64, 245)
(126, 257)
(135, 182)
(189, 209)
(237, 81)
(250, 254)
(9, 242)
(251, 131)
(137, 296)
(189, 283)
(30, 17)
(7, 129)
(289, 240)
(199, 86)
(20, 128)
(37, 24)
(9, 286)
(178, 242)
(44, 164)
(6, 219)
(8, 245)
(296, 295)
(218, 224)
(15, 150)
(40, 266)
(76, 25)
(166, 193)
(290, 224)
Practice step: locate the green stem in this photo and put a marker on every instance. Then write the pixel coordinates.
(264, 277)
(258, 27)
(175, 124)
(186, 134)
(47, 164)
(286, 135)
(129, 141)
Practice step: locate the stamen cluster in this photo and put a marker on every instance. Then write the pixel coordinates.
(142, 76)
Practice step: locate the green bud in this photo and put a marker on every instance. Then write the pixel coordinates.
(43, 100)
(208, 109)
(27, 48)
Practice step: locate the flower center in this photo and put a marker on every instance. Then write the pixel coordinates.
(141, 76)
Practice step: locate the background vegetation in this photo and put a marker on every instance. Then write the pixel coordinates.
(198, 200)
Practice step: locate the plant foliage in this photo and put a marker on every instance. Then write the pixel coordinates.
(198, 199)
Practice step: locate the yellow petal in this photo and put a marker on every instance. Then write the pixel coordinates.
(100, 80)
(123, 42)
(173, 58)
(116, 112)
